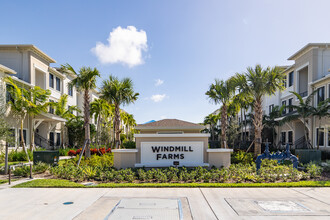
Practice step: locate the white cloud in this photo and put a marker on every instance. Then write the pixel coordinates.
(125, 45)
(159, 82)
(158, 97)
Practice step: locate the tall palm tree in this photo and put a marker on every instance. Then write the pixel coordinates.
(272, 119)
(211, 120)
(118, 92)
(260, 82)
(221, 92)
(84, 82)
(99, 108)
(65, 112)
(321, 111)
(304, 111)
(27, 102)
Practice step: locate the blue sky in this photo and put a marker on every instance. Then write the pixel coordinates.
(186, 44)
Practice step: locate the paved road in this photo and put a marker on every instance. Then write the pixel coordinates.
(202, 203)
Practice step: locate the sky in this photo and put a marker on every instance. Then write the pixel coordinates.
(172, 50)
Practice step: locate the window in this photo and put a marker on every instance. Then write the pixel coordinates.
(283, 136)
(58, 139)
(51, 109)
(290, 137)
(58, 84)
(321, 139)
(271, 107)
(9, 97)
(24, 135)
(69, 106)
(284, 81)
(51, 80)
(320, 95)
(70, 90)
(290, 103)
(284, 104)
(291, 79)
(51, 138)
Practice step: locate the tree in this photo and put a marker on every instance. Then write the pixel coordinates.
(260, 82)
(211, 120)
(118, 92)
(5, 133)
(65, 112)
(84, 82)
(221, 92)
(321, 111)
(27, 102)
(100, 109)
(272, 120)
(304, 111)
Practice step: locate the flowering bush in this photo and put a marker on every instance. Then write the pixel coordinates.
(94, 151)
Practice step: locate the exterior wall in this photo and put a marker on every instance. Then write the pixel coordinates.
(17, 60)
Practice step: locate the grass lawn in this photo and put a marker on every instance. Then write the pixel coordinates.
(3, 181)
(59, 183)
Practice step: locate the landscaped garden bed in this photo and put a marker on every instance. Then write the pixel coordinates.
(99, 170)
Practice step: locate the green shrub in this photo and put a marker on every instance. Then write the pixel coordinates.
(40, 167)
(313, 170)
(241, 157)
(129, 144)
(19, 156)
(23, 171)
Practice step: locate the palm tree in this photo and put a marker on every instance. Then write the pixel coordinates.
(27, 102)
(321, 111)
(99, 108)
(272, 119)
(304, 111)
(221, 92)
(64, 112)
(85, 81)
(118, 92)
(260, 82)
(211, 120)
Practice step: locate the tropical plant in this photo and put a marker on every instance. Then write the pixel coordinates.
(212, 121)
(118, 92)
(321, 111)
(85, 81)
(221, 92)
(25, 102)
(64, 112)
(304, 111)
(260, 82)
(273, 120)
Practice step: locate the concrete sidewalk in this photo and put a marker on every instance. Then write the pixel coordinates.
(203, 203)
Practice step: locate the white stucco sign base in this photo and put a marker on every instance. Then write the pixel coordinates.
(163, 154)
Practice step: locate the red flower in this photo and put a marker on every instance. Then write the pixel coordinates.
(71, 153)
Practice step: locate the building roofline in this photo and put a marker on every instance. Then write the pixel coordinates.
(307, 48)
(28, 47)
(7, 69)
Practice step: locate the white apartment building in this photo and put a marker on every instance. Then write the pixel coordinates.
(310, 72)
(32, 68)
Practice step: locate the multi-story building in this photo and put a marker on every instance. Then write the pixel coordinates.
(32, 68)
(310, 72)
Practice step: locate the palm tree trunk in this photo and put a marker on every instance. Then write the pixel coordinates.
(223, 126)
(241, 124)
(86, 125)
(22, 138)
(117, 126)
(318, 134)
(306, 136)
(257, 121)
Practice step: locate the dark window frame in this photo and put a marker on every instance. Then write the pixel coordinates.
(319, 98)
(283, 137)
(284, 110)
(322, 137)
(51, 80)
(271, 107)
(291, 75)
(290, 103)
(290, 137)
(70, 90)
(58, 84)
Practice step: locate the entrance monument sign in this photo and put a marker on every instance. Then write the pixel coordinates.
(171, 142)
